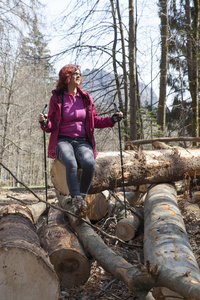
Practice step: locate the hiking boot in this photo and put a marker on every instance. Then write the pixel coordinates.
(84, 207)
(80, 209)
(65, 202)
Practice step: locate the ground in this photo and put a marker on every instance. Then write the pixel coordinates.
(100, 284)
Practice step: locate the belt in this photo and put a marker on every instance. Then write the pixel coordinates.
(72, 138)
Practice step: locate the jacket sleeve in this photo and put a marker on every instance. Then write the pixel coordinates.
(100, 122)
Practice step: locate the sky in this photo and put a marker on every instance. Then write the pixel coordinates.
(148, 37)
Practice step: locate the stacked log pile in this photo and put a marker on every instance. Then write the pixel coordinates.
(169, 261)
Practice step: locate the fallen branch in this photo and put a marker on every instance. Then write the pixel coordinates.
(163, 139)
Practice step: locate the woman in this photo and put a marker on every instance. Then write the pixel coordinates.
(71, 120)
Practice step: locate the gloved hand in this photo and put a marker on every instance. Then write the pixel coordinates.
(42, 119)
(117, 117)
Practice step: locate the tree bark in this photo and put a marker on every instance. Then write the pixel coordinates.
(167, 251)
(192, 28)
(65, 251)
(24, 266)
(163, 64)
(132, 72)
(140, 167)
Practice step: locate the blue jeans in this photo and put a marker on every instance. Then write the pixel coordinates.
(72, 153)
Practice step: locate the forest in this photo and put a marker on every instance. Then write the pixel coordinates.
(28, 74)
(104, 38)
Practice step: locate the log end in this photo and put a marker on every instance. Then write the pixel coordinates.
(24, 273)
(72, 268)
(58, 177)
(124, 230)
(97, 206)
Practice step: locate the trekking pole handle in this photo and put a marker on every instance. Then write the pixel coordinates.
(43, 113)
(116, 107)
(44, 109)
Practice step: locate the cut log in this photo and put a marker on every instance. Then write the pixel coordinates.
(65, 251)
(128, 222)
(25, 269)
(37, 210)
(58, 177)
(140, 167)
(97, 205)
(167, 250)
(127, 227)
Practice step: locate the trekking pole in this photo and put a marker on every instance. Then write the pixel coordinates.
(122, 166)
(45, 158)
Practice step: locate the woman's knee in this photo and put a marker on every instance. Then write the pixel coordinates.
(68, 160)
(88, 164)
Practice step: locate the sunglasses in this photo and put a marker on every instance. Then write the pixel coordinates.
(76, 74)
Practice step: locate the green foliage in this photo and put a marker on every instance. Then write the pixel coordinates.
(149, 119)
(182, 65)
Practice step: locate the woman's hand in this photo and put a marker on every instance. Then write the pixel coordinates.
(117, 116)
(42, 118)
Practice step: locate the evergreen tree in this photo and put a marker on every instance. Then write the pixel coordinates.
(183, 60)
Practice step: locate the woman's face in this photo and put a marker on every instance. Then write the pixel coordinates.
(75, 78)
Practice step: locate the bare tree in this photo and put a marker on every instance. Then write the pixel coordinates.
(24, 81)
(163, 64)
(192, 29)
(132, 72)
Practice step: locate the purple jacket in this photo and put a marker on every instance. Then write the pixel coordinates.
(55, 115)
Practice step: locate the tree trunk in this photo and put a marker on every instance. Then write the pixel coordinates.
(114, 59)
(25, 270)
(124, 105)
(65, 251)
(167, 251)
(192, 29)
(163, 64)
(140, 167)
(132, 72)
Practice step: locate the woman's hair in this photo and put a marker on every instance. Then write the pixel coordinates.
(65, 76)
